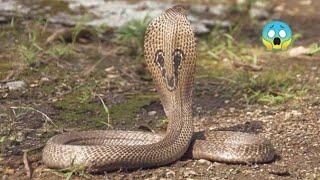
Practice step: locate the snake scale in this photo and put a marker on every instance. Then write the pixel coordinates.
(170, 52)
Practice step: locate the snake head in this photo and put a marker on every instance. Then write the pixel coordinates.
(170, 51)
(181, 9)
(169, 68)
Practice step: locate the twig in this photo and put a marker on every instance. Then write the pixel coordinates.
(209, 168)
(60, 34)
(145, 127)
(26, 162)
(33, 109)
(9, 75)
(132, 76)
(92, 68)
(246, 67)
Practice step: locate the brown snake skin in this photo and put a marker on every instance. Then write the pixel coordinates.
(170, 52)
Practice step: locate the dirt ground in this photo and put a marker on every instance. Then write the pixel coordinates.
(67, 90)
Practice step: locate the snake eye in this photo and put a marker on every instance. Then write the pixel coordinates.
(159, 59)
(177, 57)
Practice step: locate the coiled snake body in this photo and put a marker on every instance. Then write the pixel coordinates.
(170, 52)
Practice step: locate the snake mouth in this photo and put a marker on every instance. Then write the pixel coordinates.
(171, 82)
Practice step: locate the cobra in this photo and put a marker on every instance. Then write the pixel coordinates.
(170, 52)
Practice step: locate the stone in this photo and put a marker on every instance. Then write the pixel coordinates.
(170, 174)
(199, 8)
(20, 137)
(258, 13)
(13, 85)
(3, 20)
(218, 10)
(204, 162)
(117, 13)
(152, 113)
(292, 114)
(200, 28)
(199, 109)
(297, 51)
(189, 173)
(279, 171)
(110, 69)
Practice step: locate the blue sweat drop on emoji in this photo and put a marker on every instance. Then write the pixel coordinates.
(276, 35)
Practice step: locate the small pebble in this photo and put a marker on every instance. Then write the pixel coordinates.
(109, 69)
(188, 173)
(20, 137)
(152, 113)
(279, 171)
(170, 174)
(44, 80)
(14, 85)
(204, 162)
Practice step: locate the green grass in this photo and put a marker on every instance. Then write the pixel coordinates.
(132, 34)
(244, 7)
(314, 49)
(28, 54)
(268, 87)
(271, 85)
(221, 45)
(68, 173)
(27, 42)
(2, 139)
(60, 50)
(20, 110)
(48, 88)
(107, 111)
(5, 66)
(81, 29)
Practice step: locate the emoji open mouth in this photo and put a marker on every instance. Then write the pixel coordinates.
(276, 41)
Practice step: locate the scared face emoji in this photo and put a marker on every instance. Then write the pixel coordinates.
(276, 35)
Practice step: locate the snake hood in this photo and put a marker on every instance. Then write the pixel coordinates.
(171, 56)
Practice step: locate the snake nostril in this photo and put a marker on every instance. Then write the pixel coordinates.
(170, 81)
(163, 72)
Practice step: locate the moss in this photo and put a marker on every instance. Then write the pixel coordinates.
(48, 88)
(80, 108)
(77, 107)
(129, 109)
(83, 115)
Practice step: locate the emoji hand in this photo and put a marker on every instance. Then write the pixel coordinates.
(286, 44)
(267, 44)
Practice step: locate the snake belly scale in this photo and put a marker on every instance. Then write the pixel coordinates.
(170, 52)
